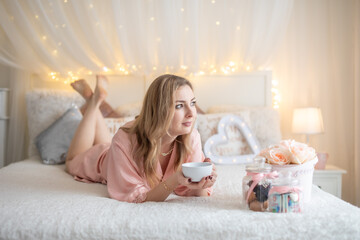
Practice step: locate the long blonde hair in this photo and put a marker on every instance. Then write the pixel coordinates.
(153, 122)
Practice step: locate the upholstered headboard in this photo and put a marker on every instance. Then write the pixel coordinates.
(246, 89)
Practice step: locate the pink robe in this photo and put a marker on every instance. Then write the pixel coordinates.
(112, 164)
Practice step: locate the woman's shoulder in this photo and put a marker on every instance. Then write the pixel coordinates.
(123, 137)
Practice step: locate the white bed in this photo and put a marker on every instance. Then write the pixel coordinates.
(43, 202)
(39, 201)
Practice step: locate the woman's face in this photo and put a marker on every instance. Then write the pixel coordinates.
(185, 112)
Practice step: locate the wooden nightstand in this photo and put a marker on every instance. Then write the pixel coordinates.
(329, 179)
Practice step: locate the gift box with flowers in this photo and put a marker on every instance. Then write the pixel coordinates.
(293, 159)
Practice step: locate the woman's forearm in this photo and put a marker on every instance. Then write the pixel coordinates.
(162, 190)
(198, 192)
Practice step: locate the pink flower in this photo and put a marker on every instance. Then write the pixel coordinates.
(300, 152)
(276, 155)
(288, 151)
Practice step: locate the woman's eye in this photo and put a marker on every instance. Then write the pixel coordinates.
(193, 103)
(178, 106)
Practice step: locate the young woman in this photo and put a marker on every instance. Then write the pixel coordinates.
(143, 160)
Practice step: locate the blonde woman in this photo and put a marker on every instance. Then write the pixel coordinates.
(142, 162)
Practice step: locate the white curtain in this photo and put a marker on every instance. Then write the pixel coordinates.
(17, 138)
(141, 37)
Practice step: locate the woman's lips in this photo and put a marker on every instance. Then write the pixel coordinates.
(187, 124)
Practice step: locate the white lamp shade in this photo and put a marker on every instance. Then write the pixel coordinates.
(307, 121)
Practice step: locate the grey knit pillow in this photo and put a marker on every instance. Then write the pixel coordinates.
(54, 141)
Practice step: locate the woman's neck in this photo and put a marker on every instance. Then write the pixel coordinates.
(167, 143)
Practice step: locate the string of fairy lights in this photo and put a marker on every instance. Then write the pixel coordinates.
(228, 68)
(231, 68)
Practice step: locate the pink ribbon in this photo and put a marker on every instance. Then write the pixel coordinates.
(256, 178)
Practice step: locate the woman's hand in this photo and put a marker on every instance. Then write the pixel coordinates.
(205, 182)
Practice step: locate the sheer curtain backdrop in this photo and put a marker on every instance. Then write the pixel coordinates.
(312, 47)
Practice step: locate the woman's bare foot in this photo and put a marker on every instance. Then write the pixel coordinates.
(100, 92)
(82, 87)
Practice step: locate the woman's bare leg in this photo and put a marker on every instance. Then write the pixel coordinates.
(83, 88)
(85, 135)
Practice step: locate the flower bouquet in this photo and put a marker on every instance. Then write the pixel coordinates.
(295, 159)
(288, 152)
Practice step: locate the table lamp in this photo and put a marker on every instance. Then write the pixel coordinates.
(307, 121)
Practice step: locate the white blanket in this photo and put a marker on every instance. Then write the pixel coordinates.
(43, 202)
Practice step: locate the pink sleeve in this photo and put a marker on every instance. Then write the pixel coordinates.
(196, 156)
(124, 181)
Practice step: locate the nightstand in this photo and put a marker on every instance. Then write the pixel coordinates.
(329, 179)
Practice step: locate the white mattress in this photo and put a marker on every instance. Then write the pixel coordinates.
(43, 202)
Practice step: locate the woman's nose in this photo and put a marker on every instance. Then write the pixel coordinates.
(190, 111)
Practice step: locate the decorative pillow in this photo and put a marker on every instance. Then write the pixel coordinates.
(264, 123)
(44, 106)
(234, 142)
(115, 123)
(128, 110)
(53, 142)
(207, 126)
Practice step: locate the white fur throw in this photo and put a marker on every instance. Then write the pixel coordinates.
(39, 201)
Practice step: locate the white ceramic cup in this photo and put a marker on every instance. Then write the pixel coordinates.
(196, 170)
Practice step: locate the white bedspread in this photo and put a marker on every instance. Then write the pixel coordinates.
(43, 202)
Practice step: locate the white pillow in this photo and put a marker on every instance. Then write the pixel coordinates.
(115, 123)
(128, 110)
